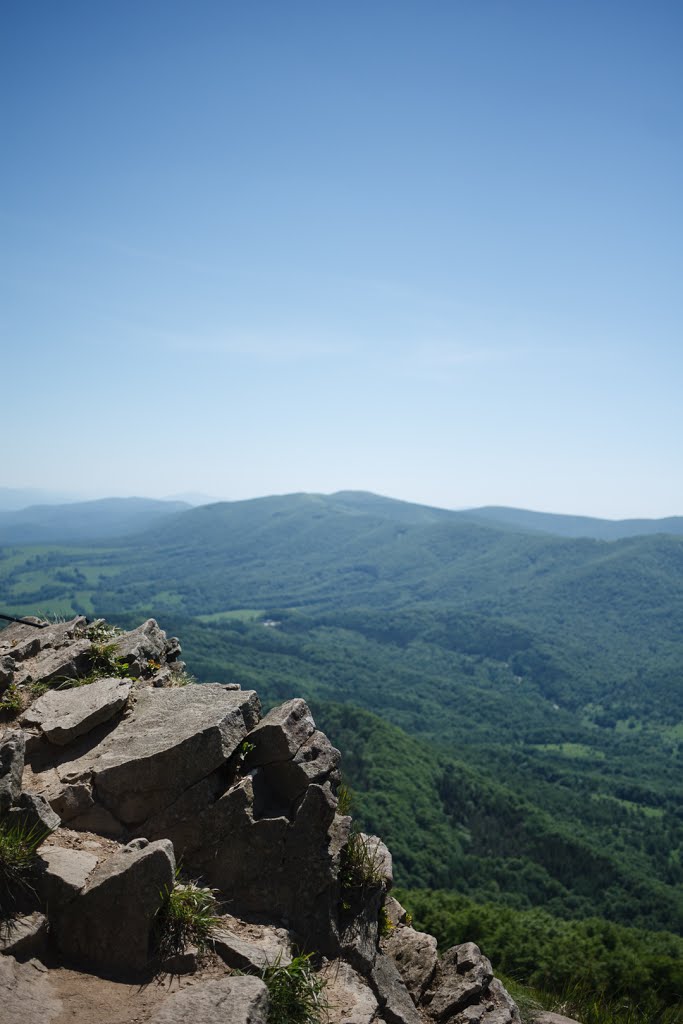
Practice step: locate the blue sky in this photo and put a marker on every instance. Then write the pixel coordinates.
(431, 250)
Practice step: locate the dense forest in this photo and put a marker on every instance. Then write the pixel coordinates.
(508, 702)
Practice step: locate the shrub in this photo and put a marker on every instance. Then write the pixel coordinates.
(295, 992)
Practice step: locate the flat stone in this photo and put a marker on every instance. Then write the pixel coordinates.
(63, 715)
(28, 995)
(233, 1000)
(67, 662)
(171, 740)
(553, 1018)
(241, 955)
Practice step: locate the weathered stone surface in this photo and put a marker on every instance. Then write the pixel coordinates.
(242, 955)
(171, 740)
(24, 937)
(131, 880)
(316, 761)
(141, 646)
(232, 1000)
(67, 662)
(62, 715)
(502, 1009)
(395, 1004)
(34, 812)
(461, 978)
(7, 667)
(12, 748)
(291, 868)
(28, 995)
(281, 733)
(379, 859)
(348, 996)
(414, 953)
(63, 874)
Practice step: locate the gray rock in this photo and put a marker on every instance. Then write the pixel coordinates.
(69, 662)
(395, 1004)
(63, 715)
(281, 733)
(24, 937)
(396, 914)
(141, 646)
(242, 955)
(349, 998)
(34, 812)
(379, 858)
(414, 953)
(7, 667)
(28, 995)
(316, 761)
(171, 740)
(502, 1009)
(63, 874)
(461, 978)
(12, 748)
(131, 881)
(237, 1000)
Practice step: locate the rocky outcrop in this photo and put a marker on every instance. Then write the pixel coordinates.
(125, 773)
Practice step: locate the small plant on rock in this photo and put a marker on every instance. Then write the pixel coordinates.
(11, 702)
(185, 917)
(18, 845)
(295, 991)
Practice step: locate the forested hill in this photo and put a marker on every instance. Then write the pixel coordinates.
(540, 676)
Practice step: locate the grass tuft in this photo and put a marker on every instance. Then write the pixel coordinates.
(295, 992)
(185, 917)
(18, 845)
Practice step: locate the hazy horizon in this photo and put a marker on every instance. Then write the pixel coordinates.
(427, 250)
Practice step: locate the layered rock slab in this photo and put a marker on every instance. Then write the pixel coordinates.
(171, 740)
(28, 996)
(64, 715)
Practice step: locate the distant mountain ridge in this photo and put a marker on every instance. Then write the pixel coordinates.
(84, 520)
(575, 526)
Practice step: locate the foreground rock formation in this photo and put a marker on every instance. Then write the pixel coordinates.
(132, 773)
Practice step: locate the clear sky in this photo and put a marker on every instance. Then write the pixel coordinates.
(428, 249)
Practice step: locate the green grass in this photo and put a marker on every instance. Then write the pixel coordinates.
(578, 751)
(295, 992)
(18, 845)
(185, 917)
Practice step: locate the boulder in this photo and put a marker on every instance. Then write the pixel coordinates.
(142, 648)
(414, 953)
(462, 976)
(28, 995)
(316, 761)
(34, 813)
(64, 873)
(63, 715)
(172, 739)
(232, 1000)
(129, 883)
(281, 733)
(12, 749)
(395, 1004)
(349, 997)
(7, 667)
(68, 662)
